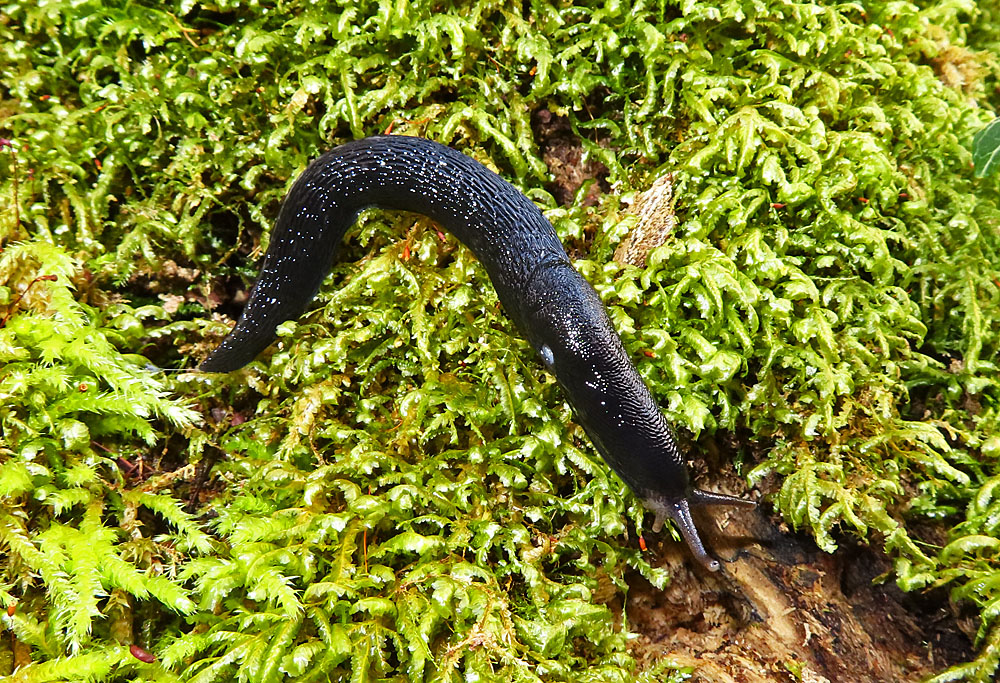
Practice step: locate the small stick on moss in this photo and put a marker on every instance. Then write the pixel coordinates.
(184, 30)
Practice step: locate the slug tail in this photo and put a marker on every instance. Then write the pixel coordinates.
(237, 350)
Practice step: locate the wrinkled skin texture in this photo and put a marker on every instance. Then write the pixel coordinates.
(552, 305)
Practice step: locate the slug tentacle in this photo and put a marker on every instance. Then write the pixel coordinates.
(708, 498)
(551, 304)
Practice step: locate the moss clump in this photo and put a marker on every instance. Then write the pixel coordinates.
(403, 492)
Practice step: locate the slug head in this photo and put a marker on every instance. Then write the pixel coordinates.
(679, 511)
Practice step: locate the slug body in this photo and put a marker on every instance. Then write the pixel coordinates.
(558, 311)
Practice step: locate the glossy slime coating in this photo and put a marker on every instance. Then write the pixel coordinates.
(558, 311)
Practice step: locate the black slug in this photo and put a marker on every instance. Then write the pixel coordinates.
(557, 310)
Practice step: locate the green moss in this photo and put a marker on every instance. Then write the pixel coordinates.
(403, 493)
